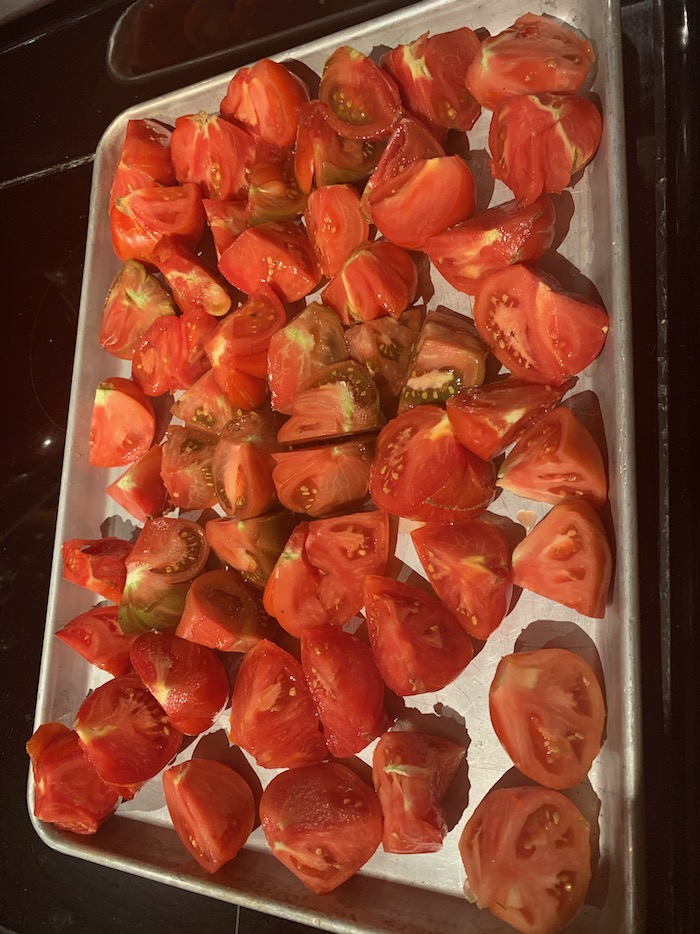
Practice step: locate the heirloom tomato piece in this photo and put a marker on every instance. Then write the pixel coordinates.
(226, 220)
(212, 809)
(273, 192)
(548, 712)
(171, 356)
(242, 465)
(538, 331)
(195, 289)
(68, 792)
(291, 592)
(527, 855)
(96, 564)
(205, 406)
(144, 161)
(265, 98)
(567, 558)
(335, 225)
(273, 716)
(322, 822)
(246, 333)
(123, 423)
(186, 467)
(385, 347)
(97, 637)
(468, 564)
(135, 300)
(212, 153)
(412, 773)
(418, 645)
(363, 101)
(251, 546)
(139, 220)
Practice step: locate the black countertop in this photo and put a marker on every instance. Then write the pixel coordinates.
(57, 99)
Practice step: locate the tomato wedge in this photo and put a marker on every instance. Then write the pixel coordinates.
(226, 220)
(138, 220)
(97, 564)
(97, 637)
(385, 347)
(123, 423)
(195, 289)
(242, 465)
(213, 154)
(274, 193)
(186, 467)
(291, 592)
(171, 356)
(335, 225)
(204, 405)
(363, 101)
(265, 98)
(251, 546)
(134, 301)
(247, 331)
(144, 161)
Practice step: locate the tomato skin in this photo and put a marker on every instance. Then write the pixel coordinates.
(418, 645)
(242, 465)
(171, 356)
(212, 810)
(539, 332)
(138, 220)
(226, 220)
(251, 546)
(194, 288)
(411, 773)
(213, 154)
(385, 347)
(68, 792)
(567, 558)
(123, 423)
(222, 612)
(97, 637)
(548, 712)
(335, 225)
(97, 564)
(489, 241)
(135, 299)
(186, 467)
(535, 54)
(273, 716)
(556, 459)
(363, 101)
(144, 161)
(204, 405)
(527, 855)
(322, 822)
(468, 564)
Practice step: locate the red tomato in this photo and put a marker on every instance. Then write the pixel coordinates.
(188, 680)
(194, 288)
(222, 612)
(123, 423)
(124, 732)
(291, 592)
(135, 300)
(412, 773)
(144, 161)
(68, 792)
(431, 72)
(242, 391)
(265, 98)
(422, 472)
(204, 405)
(251, 546)
(335, 225)
(418, 645)
(385, 347)
(536, 330)
(346, 687)
(378, 279)
(212, 810)
(138, 220)
(527, 855)
(97, 637)
(509, 233)
(97, 564)
(212, 153)
(311, 341)
(171, 353)
(273, 193)
(533, 55)
(363, 101)
(468, 564)
(538, 142)
(556, 459)
(186, 467)
(322, 822)
(548, 712)
(278, 255)
(273, 716)
(248, 330)
(487, 419)
(226, 220)
(242, 465)
(567, 558)
(140, 490)
(319, 481)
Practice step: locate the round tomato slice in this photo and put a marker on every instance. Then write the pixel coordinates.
(363, 101)
(539, 332)
(527, 855)
(195, 289)
(335, 225)
(135, 300)
(97, 564)
(418, 645)
(125, 733)
(171, 356)
(144, 161)
(212, 153)
(186, 467)
(123, 423)
(322, 822)
(556, 459)
(251, 546)
(140, 489)
(548, 712)
(97, 637)
(242, 465)
(265, 98)
(212, 810)
(138, 220)
(567, 558)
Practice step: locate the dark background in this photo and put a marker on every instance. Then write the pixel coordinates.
(56, 99)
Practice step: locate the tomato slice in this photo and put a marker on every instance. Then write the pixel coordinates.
(124, 732)
(212, 153)
(503, 235)
(273, 716)
(487, 419)
(226, 220)
(212, 810)
(322, 822)
(363, 101)
(527, 855)
(335, 225)
(194, 288)
(205, 406)
(291, 592)
(567, 558)
(97, 564)
(144, 161)
(68, 792)
(536, 330)
(274, 193)
(222, 612)
(422, 472)
(412, 773)
(123, 423)
(251, 546)
(548, 712)
(139, 220)
(97, 637)
(418, 645)
(556, 459)
(242, 465)
(468, 564)
(188, 680)
(171, 353)
(135, 299)
(265, 98)
(186, 467)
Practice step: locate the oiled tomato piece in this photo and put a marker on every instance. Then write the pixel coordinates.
(274, 193)
(291, 592)
(186, 467)
(251, 546)
(138, 220)
(226, 220)
(140, 489)
(134, 301)
(242, 465)
(123, 423)
(265, 98)
(97, 637)
(363, 101)
(335, 225)
(204, 405)
(144, 161)
(195, 289)
(212, 153)
(97, 564)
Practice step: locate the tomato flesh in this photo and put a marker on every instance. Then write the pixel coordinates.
(140, 489)
(194, 287)
(251, 546)
(97, 564)
(205, 406)
(212, 153)
(226, 220)
(97, 637)
(123, 423)
(363, 101)
(134, 301)
(335, 224)
(144, 161)
(242, 465)
(139, 220)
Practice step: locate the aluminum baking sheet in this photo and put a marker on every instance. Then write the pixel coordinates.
(413, 893)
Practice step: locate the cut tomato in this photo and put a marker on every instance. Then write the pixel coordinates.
(363, 101)
(139, 220)
(335, 225)
(195, 289)
(97, 564)
(274, 193)
(204, 405)
(123, 423)
(242, 465)
(171, 356)
(226, 220)
(213, 154)
(248, 330)
(265, 98)
(135, 300)
(97, 637)
(140, 489)
(251, 546)
(186, 467)
(144, 161)
(291, 592)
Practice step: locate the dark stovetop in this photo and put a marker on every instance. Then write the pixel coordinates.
(57, 99)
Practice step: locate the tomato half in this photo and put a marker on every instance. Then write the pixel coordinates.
(265, 98)
(212, 153)
(322, 822)
(251, 546)
(205, 406)
(138, 220)
(226, 220)
(97, 637)
(535, 329)
(171, 356)
(567, 558)
(186, 467)
(195, 289)
(363, 101)
(144, 161)
(123, 423)
(212, 810)
(97, 564)
(527, 855)
(548, 712)
(242, 465)
(335, 225)
(135, 299)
